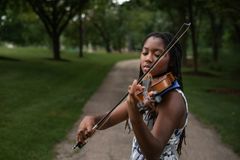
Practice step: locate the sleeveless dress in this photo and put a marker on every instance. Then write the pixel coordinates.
(170, 150)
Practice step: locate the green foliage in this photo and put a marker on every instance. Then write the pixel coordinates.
(21, 29)
(41, 98)
(23, 32)
(107, 23)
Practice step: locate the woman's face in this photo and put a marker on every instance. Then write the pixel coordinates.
(152, 49)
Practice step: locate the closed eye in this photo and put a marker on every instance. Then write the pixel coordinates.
(158, 52)
(145, 51)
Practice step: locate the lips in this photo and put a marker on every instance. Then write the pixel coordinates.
(146, 67)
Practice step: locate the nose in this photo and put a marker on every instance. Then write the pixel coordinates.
(149, 57)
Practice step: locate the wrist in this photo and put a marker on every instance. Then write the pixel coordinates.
(134, 114)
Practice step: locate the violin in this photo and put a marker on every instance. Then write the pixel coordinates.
(159, 88)
(164, 83)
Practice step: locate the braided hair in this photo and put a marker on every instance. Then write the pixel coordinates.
(174, 66)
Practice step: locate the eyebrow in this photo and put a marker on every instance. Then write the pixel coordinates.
(154, 49)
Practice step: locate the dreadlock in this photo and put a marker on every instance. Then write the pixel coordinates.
(174, 66)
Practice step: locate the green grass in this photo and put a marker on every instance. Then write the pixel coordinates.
(218, 110)
(40, 99)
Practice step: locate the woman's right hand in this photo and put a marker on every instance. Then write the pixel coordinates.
(85, 129)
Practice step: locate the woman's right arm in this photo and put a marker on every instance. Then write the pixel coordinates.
(85, 128)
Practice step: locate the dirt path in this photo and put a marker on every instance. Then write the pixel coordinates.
(115, 143)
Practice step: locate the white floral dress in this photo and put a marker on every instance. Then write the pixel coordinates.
(170, 150)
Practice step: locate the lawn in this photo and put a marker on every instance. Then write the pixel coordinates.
(219, 109)
(213, 95)
(41, 98)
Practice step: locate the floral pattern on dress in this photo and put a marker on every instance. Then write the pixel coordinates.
(170, 150)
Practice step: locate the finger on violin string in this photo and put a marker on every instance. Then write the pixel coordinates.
(149, 102)
(151, 93)
(140, 87)
(135, 86)
(146, 101)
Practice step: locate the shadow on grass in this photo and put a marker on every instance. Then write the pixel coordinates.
(225, 90)
(58, 60)
(8, 59)
(231, 91)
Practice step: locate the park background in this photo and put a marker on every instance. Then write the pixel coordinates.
(54, 54)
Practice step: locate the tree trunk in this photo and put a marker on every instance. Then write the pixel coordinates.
(184, 50)
(217, 31)
(236, 26)
(193, 35)
(80, 35)
(107, 46)
(104, 37)
(56, 45)
(182, 13)
(184, 38)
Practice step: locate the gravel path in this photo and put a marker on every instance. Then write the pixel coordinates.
(115, 143)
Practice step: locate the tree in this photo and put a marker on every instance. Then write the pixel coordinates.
(109, 20)
(229, 11)
(80, 33)
(3, 5)
(219, 13)
(20, 29)
(193, 34)
(55, 15)
(217, 32)
(172, 13)
(102, 18)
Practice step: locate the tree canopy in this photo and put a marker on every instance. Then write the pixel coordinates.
(118, 27)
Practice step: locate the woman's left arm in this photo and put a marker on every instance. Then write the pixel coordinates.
(170, 116)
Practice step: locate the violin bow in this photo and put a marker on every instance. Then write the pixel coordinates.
(175, 39)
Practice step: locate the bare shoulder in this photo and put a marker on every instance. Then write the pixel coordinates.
(173, 106)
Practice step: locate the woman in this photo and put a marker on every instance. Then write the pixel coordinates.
(160, 129)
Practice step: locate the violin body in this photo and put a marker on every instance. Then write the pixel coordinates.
(159, 88)
(161, 85)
